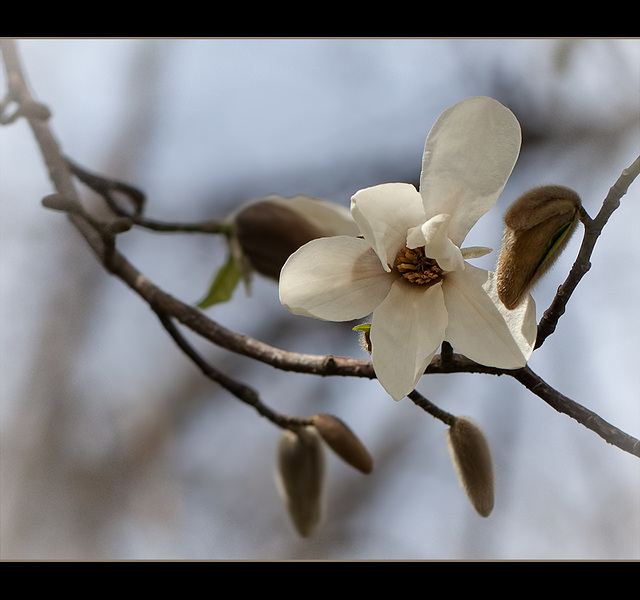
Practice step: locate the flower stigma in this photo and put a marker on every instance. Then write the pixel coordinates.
(416, 267)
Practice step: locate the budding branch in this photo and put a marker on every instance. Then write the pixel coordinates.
(101, 238)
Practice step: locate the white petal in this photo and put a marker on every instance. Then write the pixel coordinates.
(480, 327)
(335, 279)
(384, 213)
(475, 252)
(433, 236)
(406, 331)
(468, 157)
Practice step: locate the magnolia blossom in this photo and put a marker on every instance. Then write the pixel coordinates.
(408, 268)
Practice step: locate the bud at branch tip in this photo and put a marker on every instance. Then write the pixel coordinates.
(471, 457)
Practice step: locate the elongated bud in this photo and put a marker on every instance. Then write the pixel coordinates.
(263, 233)
(300, 477)
(471, 457)
(59, 202)
(537, 227)
(343, 442)
(269, 230)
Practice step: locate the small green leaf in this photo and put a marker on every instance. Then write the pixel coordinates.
(362, 327)
(556, 241)
(223, 284)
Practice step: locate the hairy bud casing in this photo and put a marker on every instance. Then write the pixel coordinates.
(471, 457)
(269, 230)
(537, 227)
(339, 437)
(300, 477)
(263, 233)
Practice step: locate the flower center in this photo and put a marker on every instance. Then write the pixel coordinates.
(415, 267)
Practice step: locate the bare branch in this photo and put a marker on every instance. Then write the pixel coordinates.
(239, 390)
(102, 238)
(109, 188)
(584, 416)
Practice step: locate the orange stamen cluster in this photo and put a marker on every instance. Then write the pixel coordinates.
(415, 267)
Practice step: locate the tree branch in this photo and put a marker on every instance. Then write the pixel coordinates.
(109, 188)
(582, 415)
(101, 238)
(239, 390)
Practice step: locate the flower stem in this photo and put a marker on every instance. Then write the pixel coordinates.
(432, 409)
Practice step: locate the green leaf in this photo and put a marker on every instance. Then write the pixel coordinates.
(556, 240)
(223, 285)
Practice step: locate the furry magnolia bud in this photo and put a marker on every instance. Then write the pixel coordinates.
(537, 227)
(269, 230)
(263, 233)
(343, 442)
(471, 457)
(300, 477)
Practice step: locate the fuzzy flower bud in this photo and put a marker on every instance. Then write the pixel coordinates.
(263, 233)
(300, 477)
(471, 457)
(339, 437)
(59, 202)
(537, 227)
(269, 230)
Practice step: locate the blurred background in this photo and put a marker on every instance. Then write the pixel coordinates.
(113, 444)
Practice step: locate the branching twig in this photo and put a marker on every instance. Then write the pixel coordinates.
(108, 188)
(169, 309)
(239, 390)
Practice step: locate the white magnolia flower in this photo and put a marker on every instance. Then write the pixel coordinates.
(409, 269)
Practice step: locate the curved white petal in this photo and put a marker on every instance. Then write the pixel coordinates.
(480, 327)
(433, 236)
(406, 331)
(384, 213)
(336, 279)
(468, 157)
(475, 252)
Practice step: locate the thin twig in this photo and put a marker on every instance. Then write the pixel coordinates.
(576, 411)
(239, 390)
(108, 188)
(428, 406)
